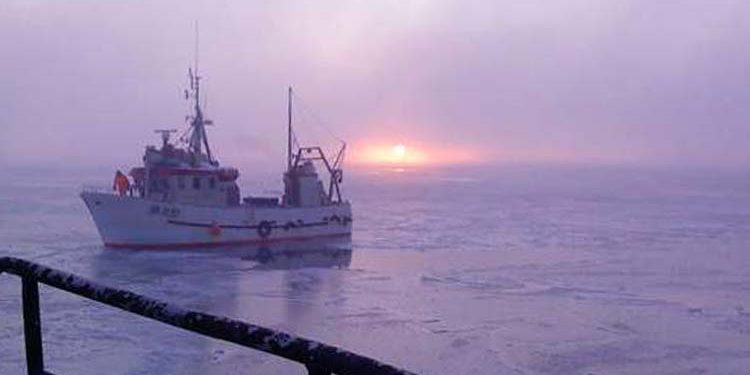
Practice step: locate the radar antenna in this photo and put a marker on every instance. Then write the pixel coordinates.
(165, 133)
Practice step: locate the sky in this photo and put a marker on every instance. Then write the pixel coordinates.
(580, 81)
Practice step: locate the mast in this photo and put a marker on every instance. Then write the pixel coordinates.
(198, 137)
(289, 132)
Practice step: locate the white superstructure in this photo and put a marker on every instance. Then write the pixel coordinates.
(182, 197)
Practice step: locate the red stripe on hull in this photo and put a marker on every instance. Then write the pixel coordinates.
(193, 245)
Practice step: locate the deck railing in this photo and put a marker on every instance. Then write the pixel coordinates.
(317, 357)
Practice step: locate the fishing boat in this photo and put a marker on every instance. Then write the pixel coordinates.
(181, 197)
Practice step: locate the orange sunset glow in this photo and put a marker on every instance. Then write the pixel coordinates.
(398, 153)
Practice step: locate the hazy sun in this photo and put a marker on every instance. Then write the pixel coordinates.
(394, 153)
(399, 152)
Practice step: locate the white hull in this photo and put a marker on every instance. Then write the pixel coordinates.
(132, 222)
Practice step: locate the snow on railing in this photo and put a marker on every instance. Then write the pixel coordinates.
(317, 357)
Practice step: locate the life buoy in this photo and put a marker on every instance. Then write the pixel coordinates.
(264, 229)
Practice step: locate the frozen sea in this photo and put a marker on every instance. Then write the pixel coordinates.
(503, 270)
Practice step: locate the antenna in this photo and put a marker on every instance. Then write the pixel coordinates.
(197, 34)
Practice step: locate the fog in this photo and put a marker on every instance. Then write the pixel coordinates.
(84, 83)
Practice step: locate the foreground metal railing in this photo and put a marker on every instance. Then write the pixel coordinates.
(317, 357)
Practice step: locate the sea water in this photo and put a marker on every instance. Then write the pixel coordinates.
(481, 270)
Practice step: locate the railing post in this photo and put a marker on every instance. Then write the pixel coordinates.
(32, 326)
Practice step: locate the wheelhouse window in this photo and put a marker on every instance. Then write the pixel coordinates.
(196, 183)
(181, 182)
(212, 183)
